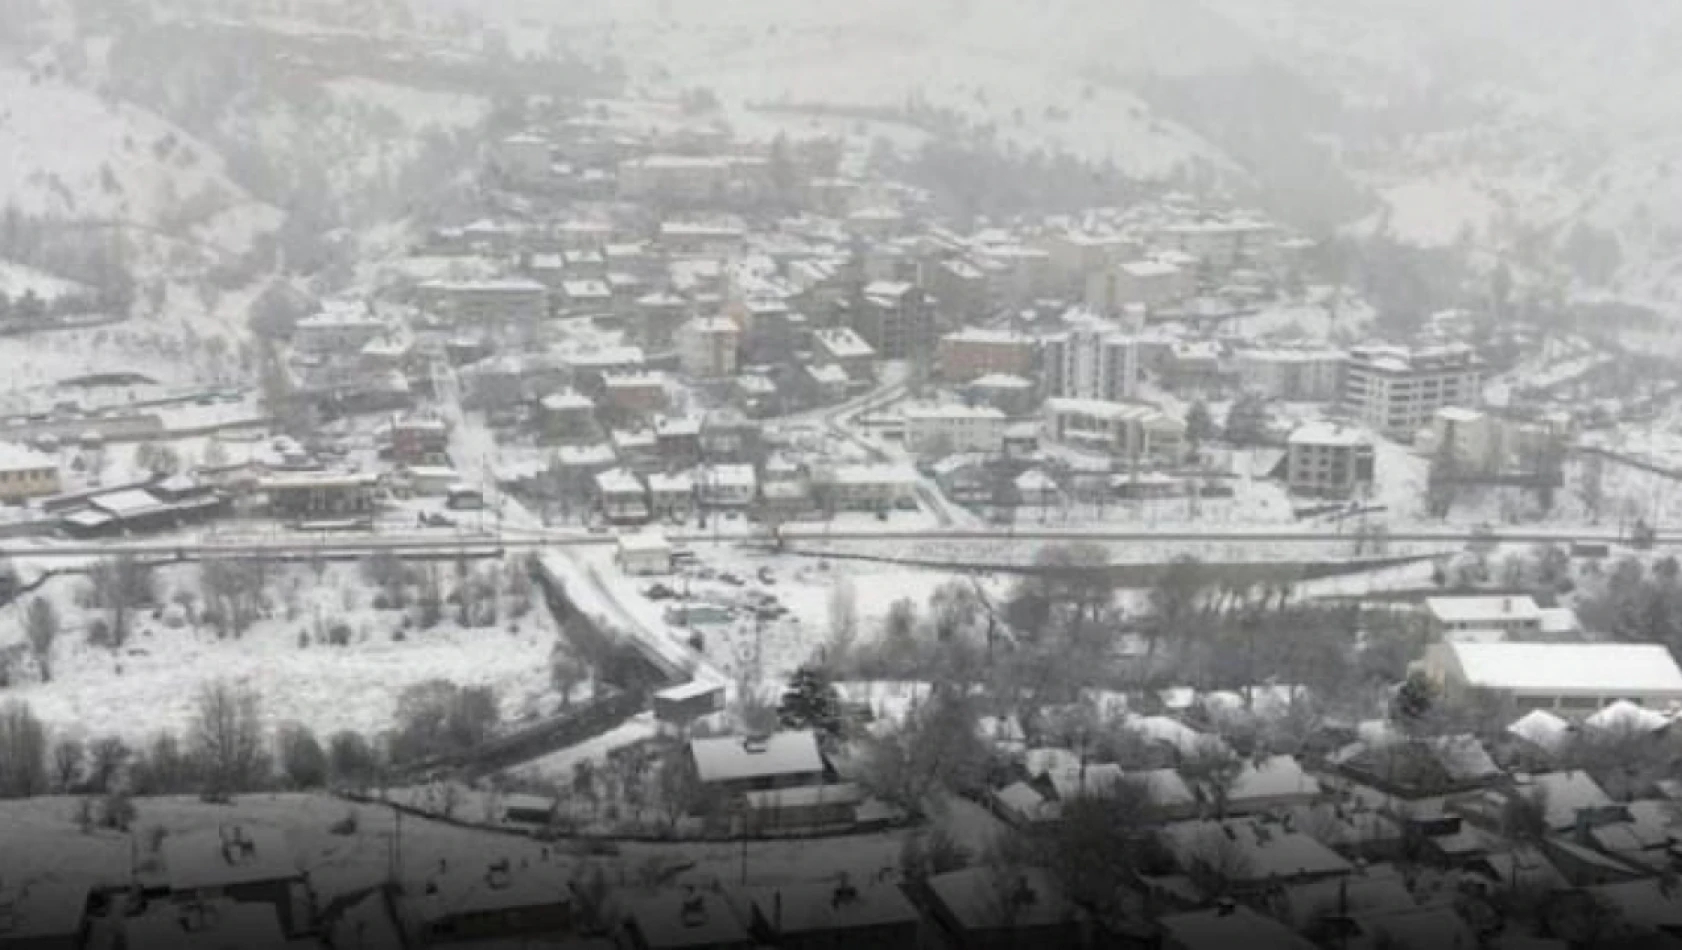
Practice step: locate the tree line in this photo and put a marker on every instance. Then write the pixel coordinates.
(227, 749)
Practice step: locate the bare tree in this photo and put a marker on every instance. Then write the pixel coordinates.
(352, 759)
(681, 790)
(566, 673)
(227, 739)
(68, 756)
(1591, 485)
(937, 745)
(1216, 861)
(165, 767)
(107, 756)
(120, 585)
(41, 624)
(843, 620)
(302, 760)
(233, 592)
(23, 752)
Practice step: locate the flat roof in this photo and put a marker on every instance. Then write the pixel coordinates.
(1483, 610)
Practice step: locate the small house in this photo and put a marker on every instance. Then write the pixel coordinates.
(689, 701)
(688, 920)
(739, 764)
(44, 912)
(644, 553)
(820, 916)
(983, 908)
(504, 902)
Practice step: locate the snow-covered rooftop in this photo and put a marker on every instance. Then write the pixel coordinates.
(20, 458)
(734, 758)
(1602, 669)
(1484, 612)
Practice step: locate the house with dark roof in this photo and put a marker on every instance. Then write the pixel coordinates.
(739, 764)
(993, 908)
(502, 902)
(243, 865)
(839, 916)
(687, 920)
(47, 912)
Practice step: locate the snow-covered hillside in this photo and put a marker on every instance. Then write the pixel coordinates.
(69, 153)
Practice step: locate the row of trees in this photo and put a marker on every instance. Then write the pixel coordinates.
(228, 749)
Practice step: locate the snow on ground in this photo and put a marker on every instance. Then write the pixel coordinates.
(152, 682)
(42, 836)
(17, 280)
(798, 590)
(65, 151)
(43, 359)
(558, 766)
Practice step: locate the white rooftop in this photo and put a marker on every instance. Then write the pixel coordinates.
(951, 411)
(1329, 433)
(1485, 612)
(19, 458)
(734, 758)
(644, 542)
(1631, 670)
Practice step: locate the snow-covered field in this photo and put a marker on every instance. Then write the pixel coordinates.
(17, 280)
(151, 683)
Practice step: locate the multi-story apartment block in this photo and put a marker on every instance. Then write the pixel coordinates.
(1326, 460)
(1396, 390)
(1091, 364)
(1128, 431)
(707, 347)
(973, 352)
(1293, 374)
(947, 429)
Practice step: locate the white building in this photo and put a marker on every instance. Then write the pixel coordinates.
(728, 486)
(1293, 374)
(1515, 618)
(1396, 391)
(1472, 436)
(1092, 364)
(1147, 283)
(949, 429)
(1128, 431)
(1327, 460)
(866, 487)
(342, 328)
(1578, 678)
(644, 553)
(707, 347)
(843, 347)
(26, 473)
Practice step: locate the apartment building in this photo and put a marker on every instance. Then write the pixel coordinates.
(1326, 460)
(1091, 364)
(1291, 373)
(973, 352)
(1128, 431)
(1396, 390)
(949, 429)
(707, 347)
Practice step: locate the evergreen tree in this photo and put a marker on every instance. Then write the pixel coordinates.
(1415, 699)
(811, 702)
